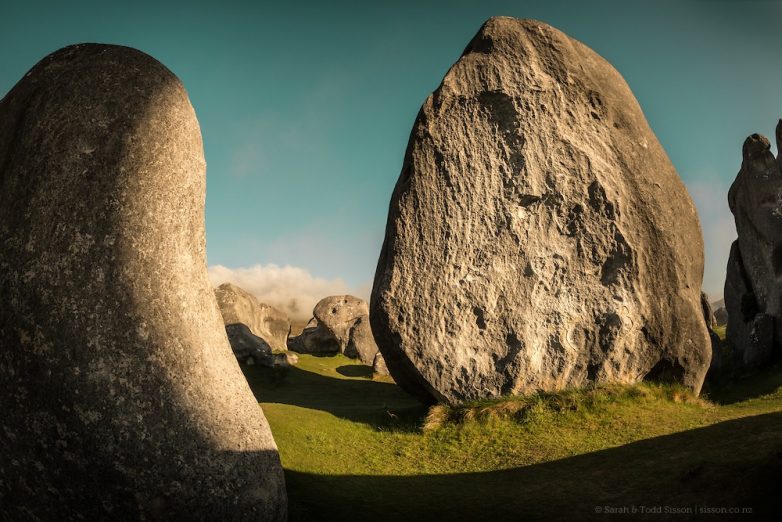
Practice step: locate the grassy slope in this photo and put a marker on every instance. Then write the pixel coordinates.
(354, 447)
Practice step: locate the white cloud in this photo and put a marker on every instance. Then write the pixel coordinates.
(289, 288)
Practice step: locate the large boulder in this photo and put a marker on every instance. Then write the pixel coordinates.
(753, 288)
(538, 236)
(340, 324)
(269, 324)
(119, 394)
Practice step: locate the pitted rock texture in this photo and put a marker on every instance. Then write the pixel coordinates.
(538, 236)
(340, 324)
(120, 396)
(266, 322)
(753, 285)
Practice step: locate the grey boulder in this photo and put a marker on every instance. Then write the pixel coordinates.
(538, 236)
(238, 306)
(715, 366)
(340, 324)
(753, 288)
(721, 316)
(379, 364)
(120, 396)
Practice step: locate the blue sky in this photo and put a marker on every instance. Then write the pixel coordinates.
(306, 107)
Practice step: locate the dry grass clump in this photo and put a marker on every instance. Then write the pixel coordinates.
(525, 408)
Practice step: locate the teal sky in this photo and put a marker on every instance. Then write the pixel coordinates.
(306, 107)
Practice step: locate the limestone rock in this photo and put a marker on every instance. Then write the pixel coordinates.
(379, 364)
(338, 314)
(708, 313)
(264, 321)
(314, 339)
(119, 394)
(340, 325)
(715, 365)
(753, 288)
(721, 316)
(248, 347)
(538, 236)
(361, 344)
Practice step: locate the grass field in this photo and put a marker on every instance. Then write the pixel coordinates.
(358, 448)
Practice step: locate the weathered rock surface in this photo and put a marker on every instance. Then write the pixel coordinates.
(538, 236)
(251, 350)
(340, 325)
(266, 322)
(753, 286)
(119, 394)
(248, 347)
(379, 364)
(708, 313)
(715, 365)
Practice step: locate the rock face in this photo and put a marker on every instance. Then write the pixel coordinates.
(340, 325)
(716, 345)
(721, 316)
(248, 347)
(119, 394)
(753, 288)
(538, 236)
(379, 364)
(708, 313)
(265, 322)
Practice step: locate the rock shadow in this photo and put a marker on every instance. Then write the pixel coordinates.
(735, 464)
(757, 384)
(356, 370)
(381, 405)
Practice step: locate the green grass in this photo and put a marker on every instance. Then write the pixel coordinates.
(358, 448)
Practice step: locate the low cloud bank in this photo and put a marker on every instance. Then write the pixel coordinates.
(291, 289)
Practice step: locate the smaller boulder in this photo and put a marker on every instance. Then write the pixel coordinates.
(716, 344)
(708, 312)
(340, 325)
(314, 339)
(268, 323)
(721, 316)
(379, 364)
(361, 344)
(250, 349)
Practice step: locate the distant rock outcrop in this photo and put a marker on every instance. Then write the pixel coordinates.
(379, 364)
(258, 333)
(340, 325)
(716, 344)
(753, 288)
(252, 350)
(721, 316)
(120, 397)
(538, 236)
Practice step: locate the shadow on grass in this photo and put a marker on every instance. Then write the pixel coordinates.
(733, 465)
(763, 382)
(356, 370)
(382, 405)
